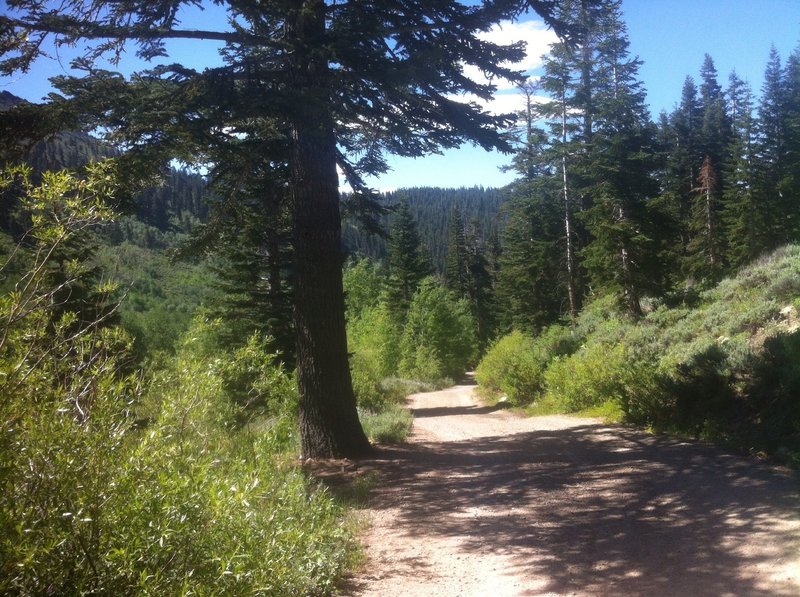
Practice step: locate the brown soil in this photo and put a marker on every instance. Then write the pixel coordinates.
(487, 503)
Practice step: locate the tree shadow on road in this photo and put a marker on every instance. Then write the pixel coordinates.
(449, 411)
(597, 509)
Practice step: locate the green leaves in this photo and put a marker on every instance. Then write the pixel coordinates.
(439, 336)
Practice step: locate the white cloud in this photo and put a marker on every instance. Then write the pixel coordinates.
(536, 37)
(502, 103)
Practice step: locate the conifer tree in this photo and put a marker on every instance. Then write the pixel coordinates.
(705, 247)
(530, 290)
(457, 274)
(254, 272)
(569, 108)
(790, 186)
(743, 215)
(330, 83)
(715, 132)
(480, 284)
(408, 264)
(622, 255)
(771, 150)
(684, 157)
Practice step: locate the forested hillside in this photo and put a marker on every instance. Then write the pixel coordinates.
(431, 208)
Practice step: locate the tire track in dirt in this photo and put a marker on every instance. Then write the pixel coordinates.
(484, 502)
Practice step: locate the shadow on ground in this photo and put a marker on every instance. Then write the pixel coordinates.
(597, 509)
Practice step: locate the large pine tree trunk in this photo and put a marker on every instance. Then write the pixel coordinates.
(329, 425)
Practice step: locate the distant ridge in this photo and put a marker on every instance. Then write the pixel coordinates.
(9, 99)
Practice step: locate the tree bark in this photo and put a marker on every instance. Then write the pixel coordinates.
(329, 425)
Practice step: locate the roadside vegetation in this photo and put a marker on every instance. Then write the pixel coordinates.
(115, 481)
(722, 364)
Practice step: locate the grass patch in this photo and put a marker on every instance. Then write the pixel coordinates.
(354, 493)
(546, 405)
(610, 411)
(390, 425)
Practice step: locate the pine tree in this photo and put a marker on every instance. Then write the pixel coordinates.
(407, 262)
(457, 274)
(327, 84)
(568, 81)
(706, 245)
(705, 249)
(771, 150)
(480, 284)
(684, 157)
(743, 215)
(530, 290)
(715, 132)
(790, 185)
(254, 274)
(622, 255)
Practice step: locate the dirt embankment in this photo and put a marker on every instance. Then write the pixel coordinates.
(485, 503)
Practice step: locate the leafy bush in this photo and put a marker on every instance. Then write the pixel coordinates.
(183, 501)
(516, 363)
(363, 283)
(203, 505)
(389, 425)
(511, 366)
(375, 335)
(366, 382)
(590, 377)
(439, 338)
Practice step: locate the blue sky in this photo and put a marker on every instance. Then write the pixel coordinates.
(670, 36)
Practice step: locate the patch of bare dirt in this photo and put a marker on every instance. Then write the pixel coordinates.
(483, 502)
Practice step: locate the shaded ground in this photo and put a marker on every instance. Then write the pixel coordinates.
(483, 502)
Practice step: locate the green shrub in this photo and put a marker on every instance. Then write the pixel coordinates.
(366, 382)
(588, 378)
(205, 506)
(511, 366)
(375, 335)
(516, 363)
(389, 425)
(439, 338)
(183, 500)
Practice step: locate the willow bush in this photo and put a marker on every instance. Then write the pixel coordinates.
(116, 485)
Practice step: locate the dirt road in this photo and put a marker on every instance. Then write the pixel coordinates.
(485, 503)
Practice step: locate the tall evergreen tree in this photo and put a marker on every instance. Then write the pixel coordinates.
(530, 290)
(568, 82)
(743, 212)
(457, 275)
(705, 247)
(621, 256)
(408, 264)
(480, 284)
(684, 156)
(790, 186)
(715, 132)
(771, 150)
(330, 80)
(254, 272)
